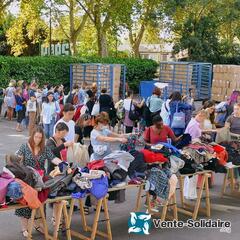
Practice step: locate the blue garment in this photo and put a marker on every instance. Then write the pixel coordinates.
(182, 107)
(48, 128)
(99, 187)
(79, 195)
(159, 178)
(14, 191)
(170, 146)
(154, 103)
(81, 96)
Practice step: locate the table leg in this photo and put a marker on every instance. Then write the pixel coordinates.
(197, 205)
(107, 217)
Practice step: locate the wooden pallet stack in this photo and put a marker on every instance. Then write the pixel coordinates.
(103, 75)
(226, 79)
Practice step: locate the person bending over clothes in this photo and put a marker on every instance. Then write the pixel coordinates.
(159, 132)
(34, 153)
(102, 137)
(194, 126)
(233, 122)
(58, 144)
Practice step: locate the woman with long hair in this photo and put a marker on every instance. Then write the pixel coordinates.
(34, 153)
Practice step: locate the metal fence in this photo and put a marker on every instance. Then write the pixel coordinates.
(109, 76)
(187, 76)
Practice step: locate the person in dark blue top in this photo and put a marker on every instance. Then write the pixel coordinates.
(177, 105)
(20, 108)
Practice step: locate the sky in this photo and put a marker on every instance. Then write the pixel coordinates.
(14, 8)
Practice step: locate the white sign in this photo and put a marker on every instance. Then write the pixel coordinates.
(57, 49)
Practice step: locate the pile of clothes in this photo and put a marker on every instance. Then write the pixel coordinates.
(25, 185)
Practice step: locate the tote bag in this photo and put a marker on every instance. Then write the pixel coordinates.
(96, 109)
(133, 114)
(179, 119)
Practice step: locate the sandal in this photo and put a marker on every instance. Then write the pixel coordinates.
(39, 229)
(102, 209)
(86, 210)
(53, 220)
(25, 233)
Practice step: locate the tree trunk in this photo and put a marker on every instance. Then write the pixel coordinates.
(135, 50)
(102, 43)
(73, 45)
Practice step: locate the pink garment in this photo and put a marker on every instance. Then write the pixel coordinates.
(5, 179)
(193, 128)
(197, 146)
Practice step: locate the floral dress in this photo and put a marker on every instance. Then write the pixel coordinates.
(30, 160)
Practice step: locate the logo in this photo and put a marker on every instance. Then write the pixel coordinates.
(139, 223)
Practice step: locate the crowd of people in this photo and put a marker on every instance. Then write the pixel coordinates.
(168, 132)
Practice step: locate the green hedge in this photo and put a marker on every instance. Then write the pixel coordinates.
(55, 70)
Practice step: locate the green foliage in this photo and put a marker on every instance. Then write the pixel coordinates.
(55, 70)
(27, 30)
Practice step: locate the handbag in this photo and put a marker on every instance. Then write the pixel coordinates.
(179, 119)
(38, 169)
(96, 109)
(133, 115)
(18, 108)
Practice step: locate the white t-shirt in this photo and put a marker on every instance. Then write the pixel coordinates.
(127, 104)
(71, 132)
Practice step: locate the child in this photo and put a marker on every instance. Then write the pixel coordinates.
(32, 112)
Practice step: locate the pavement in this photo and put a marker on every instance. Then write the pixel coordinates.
(226, 208)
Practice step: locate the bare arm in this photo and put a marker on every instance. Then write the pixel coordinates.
(56, 161)
(111, 139)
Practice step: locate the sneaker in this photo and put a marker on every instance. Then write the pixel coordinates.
(153, 206)
(121, 184)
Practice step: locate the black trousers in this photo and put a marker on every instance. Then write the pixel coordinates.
(20, 115)
(129, 129)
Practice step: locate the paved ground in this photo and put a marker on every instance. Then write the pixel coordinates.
(222, 208)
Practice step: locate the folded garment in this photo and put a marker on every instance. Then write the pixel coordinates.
(151, 157)
(82, 182)
(14, 191)
(95, 165)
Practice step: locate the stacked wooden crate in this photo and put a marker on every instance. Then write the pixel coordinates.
(226, 79)
(104, 75)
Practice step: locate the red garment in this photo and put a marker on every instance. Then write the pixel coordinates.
(95, 165)
(218, 148)
(221, 154)
(222, 157)
(43, 195)
(152, 157)
(30, 195)
(77, 113)
(151, 137)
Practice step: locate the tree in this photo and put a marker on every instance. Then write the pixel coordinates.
(28, 30)
(4, 4)
(104, 15)
(5, 24)
(208, 29)
(71, 21)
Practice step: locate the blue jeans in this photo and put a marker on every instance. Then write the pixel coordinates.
(48, 128)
